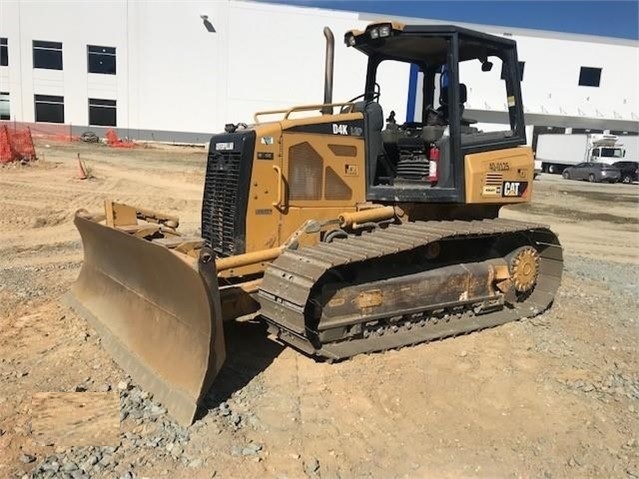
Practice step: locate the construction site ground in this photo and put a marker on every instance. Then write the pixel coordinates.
(550, 397)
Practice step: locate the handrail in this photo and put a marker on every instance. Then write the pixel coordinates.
(278, 203)
(288, 112)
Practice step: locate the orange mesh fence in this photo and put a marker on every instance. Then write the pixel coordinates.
(55, 132)
(44, 130)
(114, 140)
(16, 145)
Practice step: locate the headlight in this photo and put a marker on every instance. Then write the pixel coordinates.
(374, 33)
(385, 31)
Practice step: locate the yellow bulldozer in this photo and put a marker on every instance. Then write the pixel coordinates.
(343, 234)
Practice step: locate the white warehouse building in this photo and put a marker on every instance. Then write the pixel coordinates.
(179, 71)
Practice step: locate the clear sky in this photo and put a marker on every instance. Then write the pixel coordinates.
(603, 17)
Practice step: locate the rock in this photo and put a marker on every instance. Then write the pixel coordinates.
(83, 336)
(177, 451)
(157, 411)
(123, 415)
(463, 354)
(251, 450)
(92, 460)
(104, 388)
(27, 458)
(21, 374)
(195, 463)
(236, 419)
(69, 466)
(124, 386)
(80, 388)
(236, 451)
(52, 466)
(312, 467)
(128, 475)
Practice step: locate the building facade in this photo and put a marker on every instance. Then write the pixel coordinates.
(178, 71)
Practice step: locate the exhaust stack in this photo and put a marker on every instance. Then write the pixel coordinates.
(328, 71)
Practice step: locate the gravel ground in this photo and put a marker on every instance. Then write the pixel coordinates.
(555, 396)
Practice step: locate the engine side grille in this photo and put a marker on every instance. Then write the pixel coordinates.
(226, 193)
(494, 179)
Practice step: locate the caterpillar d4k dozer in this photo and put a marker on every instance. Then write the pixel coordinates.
(344, 235)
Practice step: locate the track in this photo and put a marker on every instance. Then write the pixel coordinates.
(300, 289)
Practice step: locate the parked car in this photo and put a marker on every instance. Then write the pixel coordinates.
(593, 172)
(629, 170)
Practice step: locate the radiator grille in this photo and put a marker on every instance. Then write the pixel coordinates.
(219, 208)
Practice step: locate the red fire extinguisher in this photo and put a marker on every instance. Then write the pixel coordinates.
(433, 164)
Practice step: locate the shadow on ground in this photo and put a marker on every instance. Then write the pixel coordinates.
(249, 351)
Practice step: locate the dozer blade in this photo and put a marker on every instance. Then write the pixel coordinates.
(158, 316)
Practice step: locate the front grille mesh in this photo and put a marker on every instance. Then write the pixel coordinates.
(220, 201)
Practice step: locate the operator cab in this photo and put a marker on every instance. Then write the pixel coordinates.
(422, 158)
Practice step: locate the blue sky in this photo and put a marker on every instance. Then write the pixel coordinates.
(607, 18)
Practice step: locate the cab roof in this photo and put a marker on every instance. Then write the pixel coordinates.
(424, 43)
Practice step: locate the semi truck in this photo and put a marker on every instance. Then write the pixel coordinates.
(555, 152)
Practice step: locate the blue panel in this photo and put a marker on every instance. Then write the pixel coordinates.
(412, 92)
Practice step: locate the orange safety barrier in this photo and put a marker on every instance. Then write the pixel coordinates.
(114, 140)
(47, 131)
(16, 145)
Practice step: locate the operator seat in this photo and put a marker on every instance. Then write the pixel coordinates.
(443, 101)
(373, 125)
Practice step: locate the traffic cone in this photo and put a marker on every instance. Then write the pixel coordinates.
(82, 173)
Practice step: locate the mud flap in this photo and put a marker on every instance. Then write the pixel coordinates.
(159, 316)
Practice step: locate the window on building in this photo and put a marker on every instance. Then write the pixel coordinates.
(102, 112)
(101, 59)
(5, 110)
(47, 55)
(49, 109)
(521, 71)
(4, 52)
(589, 76)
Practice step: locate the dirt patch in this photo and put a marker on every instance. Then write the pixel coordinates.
(556, 396)
(574, 215)
(607, 197)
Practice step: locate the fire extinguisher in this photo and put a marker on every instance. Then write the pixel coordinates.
(433, 164)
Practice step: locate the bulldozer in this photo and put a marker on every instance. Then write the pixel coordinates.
(345, 235)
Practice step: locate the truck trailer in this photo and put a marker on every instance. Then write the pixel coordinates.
(557, 151)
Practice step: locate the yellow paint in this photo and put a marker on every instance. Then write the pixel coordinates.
(495, 176)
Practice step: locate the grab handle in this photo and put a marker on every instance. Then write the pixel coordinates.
(278, 170)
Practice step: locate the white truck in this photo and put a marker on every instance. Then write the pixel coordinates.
(557, 151)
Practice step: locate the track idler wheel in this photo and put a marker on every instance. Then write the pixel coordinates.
(523, 264)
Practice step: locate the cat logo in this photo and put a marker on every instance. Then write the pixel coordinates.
(340, 129)
(514, 188)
